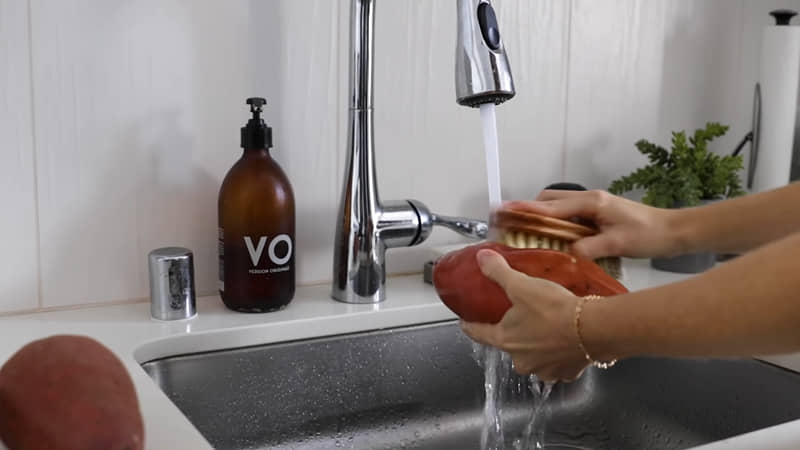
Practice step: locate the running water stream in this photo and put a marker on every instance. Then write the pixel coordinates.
(496, 364)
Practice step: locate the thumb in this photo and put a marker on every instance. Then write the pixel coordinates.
(496, 268)
(594, 247)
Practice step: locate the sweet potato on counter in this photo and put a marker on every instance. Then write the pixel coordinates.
(473, 297)
(68, 393)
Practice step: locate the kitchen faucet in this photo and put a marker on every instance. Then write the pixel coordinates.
(366, 226)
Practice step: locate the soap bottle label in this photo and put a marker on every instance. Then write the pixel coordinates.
(279, 253)
(258, 270)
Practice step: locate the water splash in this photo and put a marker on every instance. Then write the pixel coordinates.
(491, 359)
(533, 436)
(500, 387)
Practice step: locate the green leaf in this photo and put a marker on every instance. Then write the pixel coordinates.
(686, 173)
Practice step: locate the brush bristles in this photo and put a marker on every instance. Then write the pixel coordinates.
(611, 265)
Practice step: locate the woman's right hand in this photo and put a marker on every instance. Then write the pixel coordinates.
(626, 228)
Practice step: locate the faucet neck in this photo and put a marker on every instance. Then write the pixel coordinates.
(362, 35)
(364, 184)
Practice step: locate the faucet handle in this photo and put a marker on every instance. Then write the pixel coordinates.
(477, 229)
(473, 228)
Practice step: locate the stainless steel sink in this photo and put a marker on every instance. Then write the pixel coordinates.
(420, 387)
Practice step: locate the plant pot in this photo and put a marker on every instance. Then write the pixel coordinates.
(722, 257)
(687, 263)
(690, 263)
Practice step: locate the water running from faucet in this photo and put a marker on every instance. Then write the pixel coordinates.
(496, 364)
(492, 154)
(491, 358)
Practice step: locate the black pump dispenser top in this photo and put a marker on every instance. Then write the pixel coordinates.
(256, 134)
(783, 16)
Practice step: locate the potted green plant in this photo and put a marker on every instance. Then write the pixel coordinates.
(686, 175)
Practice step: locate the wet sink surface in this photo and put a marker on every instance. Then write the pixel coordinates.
(421, 388)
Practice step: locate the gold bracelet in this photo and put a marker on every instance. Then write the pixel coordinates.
(578, 310)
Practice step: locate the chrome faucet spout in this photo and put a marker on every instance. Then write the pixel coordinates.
(483, 74)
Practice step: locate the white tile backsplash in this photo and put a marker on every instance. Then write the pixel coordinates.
(615, 78)
(133, 136)
(532, 125)
(709, 35)
(296, 66)
(19, 283)
(136, 107)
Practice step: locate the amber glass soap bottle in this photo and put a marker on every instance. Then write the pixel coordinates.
(256, 225)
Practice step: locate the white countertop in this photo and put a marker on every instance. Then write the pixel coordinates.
(134, 337)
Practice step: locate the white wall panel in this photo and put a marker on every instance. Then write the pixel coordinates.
(703, 62)
(615, 79)
(140, 105)
(295, 60)
(18, 241)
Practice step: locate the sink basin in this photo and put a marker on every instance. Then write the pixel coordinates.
(420, 387)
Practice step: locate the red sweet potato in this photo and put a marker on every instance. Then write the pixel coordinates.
(475, 298)
(68, 393)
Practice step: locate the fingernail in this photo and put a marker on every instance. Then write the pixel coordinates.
(483, 257)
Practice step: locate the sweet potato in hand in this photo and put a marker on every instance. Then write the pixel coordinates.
(473, 297)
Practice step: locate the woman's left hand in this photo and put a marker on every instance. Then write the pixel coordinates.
(538, 331)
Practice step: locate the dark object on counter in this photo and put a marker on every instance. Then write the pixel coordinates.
(172, 294)
(690, 263)
(722, 257)
(565, 186)
(783, 16)
(256, 225)
(687, 263)
(68, 393)
(427, 272)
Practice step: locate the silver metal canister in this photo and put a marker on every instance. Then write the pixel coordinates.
(172, 295)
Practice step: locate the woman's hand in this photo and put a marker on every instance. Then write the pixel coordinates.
(627, 228)
(538, 331)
